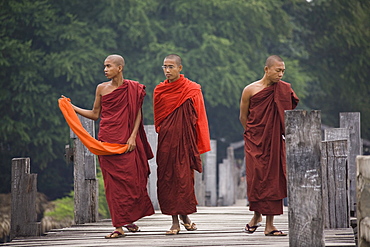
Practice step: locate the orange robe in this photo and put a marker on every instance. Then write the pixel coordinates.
(265, 148)
(181, 122)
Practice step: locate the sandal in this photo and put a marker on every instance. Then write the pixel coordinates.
(251, 229)
(118, 235)
(132, 228)
(276, 233)
(173, 232)
(190, 227)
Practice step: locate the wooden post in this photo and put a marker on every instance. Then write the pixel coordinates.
(227, 181)
(152, 181)
(85, 183)
(335, 184)
(23, 206)
(351, 121)
(210, 175)
(303, 151)
(363, 200)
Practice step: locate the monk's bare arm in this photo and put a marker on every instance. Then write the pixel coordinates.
(132, 140)
(244, 105)
(93, 114)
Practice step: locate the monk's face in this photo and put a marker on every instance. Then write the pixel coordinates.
(171, 69)
(275, 72)
(111, 69)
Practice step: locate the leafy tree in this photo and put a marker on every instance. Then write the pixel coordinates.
(336, 37)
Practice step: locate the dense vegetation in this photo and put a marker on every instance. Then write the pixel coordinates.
(54, 47)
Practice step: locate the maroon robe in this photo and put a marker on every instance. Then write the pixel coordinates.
(265, 148)
(125, 175)
(177, 157)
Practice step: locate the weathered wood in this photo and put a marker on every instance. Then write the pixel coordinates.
(152, 181)
(210, 175)
(303, 149)
(335, 184)
(23, 205)
(363, 200)
(85, 182)
(351, 121)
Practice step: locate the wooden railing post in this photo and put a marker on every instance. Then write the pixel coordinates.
(363, 200)
(335, 184)
(303, 151)
(23, 206)
(85, 182)
(210, 175)
(351, 121)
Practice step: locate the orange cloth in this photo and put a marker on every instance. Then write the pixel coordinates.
(169, 96)
(95, 146)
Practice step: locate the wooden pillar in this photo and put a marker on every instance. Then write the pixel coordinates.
(210, 175)
(226, 176)
(152, 181)
(23, 205)
(351, 121)
(363, 200)
(85, 183)
(335, 185)
(303, 151)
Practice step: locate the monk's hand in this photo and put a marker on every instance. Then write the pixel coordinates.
(131, 142)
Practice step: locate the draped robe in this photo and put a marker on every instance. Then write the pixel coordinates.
(125, 175)
(265, 148)
(181, 122)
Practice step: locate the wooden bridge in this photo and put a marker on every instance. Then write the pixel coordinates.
(217, 226)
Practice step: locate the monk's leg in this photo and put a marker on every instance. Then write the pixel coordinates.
(257, 218)
(175, 228)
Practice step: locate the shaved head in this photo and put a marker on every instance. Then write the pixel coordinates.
(175, 57)
(117, 59)
(272, 59)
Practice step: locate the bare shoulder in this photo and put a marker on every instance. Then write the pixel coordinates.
(104, 88)
(252, 89)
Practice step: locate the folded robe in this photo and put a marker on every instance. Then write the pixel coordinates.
(95, 146)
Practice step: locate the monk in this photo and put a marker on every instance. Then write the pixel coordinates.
(262, 108)
(181, 123)
(118, 104)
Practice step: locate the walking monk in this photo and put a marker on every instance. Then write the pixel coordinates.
(118, 104)
(262, 108)
(181, 123)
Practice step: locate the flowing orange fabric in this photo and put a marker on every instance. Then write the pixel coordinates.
(265, 148)
(95, 146)
(169, 96)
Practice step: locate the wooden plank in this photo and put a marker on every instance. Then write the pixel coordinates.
(303, 151)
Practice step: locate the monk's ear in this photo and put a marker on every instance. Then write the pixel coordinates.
(180, 67)
(266, 69)
(120, 68)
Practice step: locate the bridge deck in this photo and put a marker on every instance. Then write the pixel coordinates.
(217, 226)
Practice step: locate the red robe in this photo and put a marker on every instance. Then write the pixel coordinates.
(181, 122)
(265, 148)
(125, 175)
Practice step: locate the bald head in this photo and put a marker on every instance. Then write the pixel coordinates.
(175, 57)
(270, 61)
(116, 59)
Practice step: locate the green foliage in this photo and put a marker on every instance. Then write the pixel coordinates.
(63, 208)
